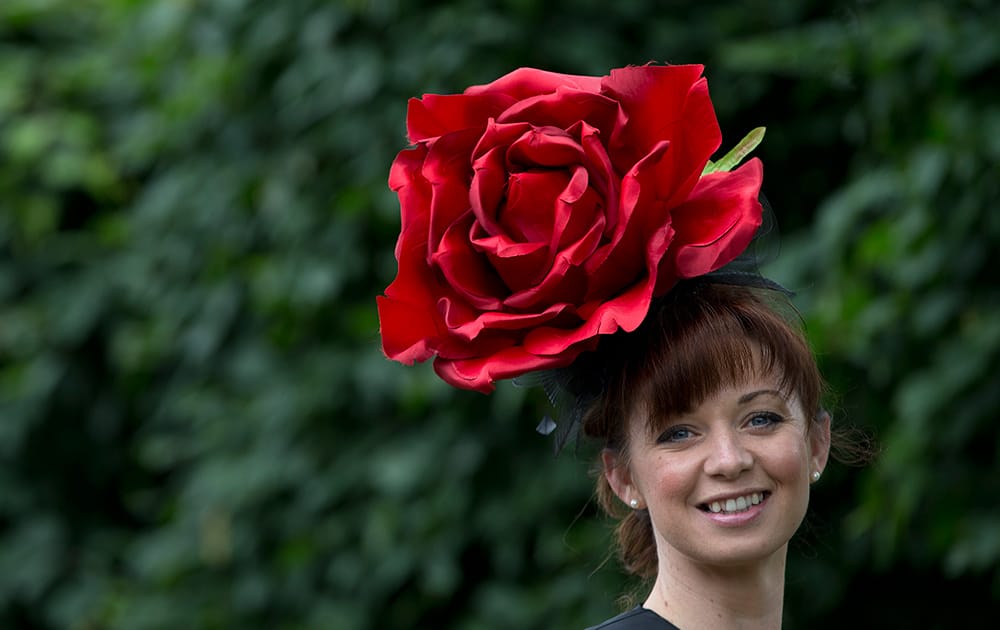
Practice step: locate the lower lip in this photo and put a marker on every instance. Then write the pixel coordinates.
(737, 519)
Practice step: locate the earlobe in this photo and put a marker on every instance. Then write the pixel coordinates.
(819, 440)
(618, 476)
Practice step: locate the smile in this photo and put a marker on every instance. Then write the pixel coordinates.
(735, 504)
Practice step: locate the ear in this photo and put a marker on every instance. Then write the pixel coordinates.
(819, 441)
(619, 477)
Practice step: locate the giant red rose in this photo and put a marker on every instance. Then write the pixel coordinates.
(542, 210)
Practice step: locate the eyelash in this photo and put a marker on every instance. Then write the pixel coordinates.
(670, 435)
(772, 418)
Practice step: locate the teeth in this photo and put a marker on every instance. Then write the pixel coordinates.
(738, 504)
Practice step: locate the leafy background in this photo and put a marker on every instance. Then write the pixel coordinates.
(198, 430)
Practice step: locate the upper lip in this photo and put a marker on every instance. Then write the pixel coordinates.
(732, 495)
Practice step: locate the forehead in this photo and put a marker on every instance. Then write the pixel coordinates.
(686, 373)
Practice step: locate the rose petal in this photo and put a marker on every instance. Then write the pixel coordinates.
(579, 219)
(413, 190)
(663, 103)
(547, 147)
(531, 197)
(600, 173)
(465, 270)
(624, 311)
(499, 135)
(519, 265)
(718, 221)
(481, 373)
(489, 182)
(469, 324)
(448, 175)
(564, 279)
(409, 331)
(525, 82)
(565, 107)
(488, 190)
(435, 115)
(616, 265)
(564, 282)
(520, 253)
(408, 319)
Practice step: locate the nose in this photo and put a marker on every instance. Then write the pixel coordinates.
(727, 456)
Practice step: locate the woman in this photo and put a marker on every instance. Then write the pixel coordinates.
(712, 432)
(576, 227)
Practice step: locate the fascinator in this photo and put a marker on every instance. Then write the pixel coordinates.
(543, 211)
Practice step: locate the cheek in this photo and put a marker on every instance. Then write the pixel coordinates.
(789, 464)
(668, 477)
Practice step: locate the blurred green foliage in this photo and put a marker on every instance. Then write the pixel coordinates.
(197, 428)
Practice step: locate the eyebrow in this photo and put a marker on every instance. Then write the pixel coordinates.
(745, 398)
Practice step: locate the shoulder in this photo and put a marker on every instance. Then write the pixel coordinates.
(638, 618)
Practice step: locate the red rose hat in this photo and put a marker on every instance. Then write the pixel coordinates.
(543, 210)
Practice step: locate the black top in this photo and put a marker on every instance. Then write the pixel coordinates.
(638, 618)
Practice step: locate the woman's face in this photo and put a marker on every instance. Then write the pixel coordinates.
(728, 483)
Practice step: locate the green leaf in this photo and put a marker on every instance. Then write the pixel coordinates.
(732, 159)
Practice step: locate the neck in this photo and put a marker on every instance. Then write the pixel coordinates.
(695, 597)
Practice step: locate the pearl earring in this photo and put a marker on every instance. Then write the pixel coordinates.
(816, 476)
(634, 503)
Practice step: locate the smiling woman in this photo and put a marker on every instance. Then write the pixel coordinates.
(575, 227)
(712, 430)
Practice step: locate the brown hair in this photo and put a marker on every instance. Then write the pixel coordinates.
(695, 340)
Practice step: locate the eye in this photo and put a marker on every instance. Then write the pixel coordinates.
(764, 419)
(677, 433)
